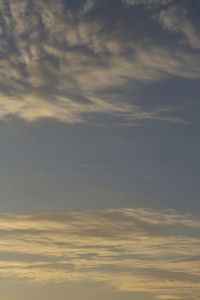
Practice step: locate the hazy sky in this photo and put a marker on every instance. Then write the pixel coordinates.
(99, 149)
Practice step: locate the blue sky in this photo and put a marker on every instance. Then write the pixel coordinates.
(99, 104)
(99, 111)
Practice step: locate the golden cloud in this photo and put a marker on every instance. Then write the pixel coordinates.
(133, 250)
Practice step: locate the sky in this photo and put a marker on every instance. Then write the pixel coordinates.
(99, 149)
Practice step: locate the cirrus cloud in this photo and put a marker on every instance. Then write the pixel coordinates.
(68, 61)
(133, 250)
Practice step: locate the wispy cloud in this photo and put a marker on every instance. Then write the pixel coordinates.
(130, 249)
(178, 19)
(80, 164)
(66, 61)
(148, 2)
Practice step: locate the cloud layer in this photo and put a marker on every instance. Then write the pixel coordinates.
(71, 60)
(133, 250)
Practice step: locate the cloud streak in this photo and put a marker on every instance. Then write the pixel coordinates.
(86, 64)
(133, 250)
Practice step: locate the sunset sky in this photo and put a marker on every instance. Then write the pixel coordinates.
(99, 149)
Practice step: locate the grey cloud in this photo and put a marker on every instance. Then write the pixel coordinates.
(65, 61)
(118, 247)
(148, 2)
(179, 18)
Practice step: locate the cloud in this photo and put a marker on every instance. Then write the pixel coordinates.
(133, 250)
(69, 62)
(148, 2)
(180, 19)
